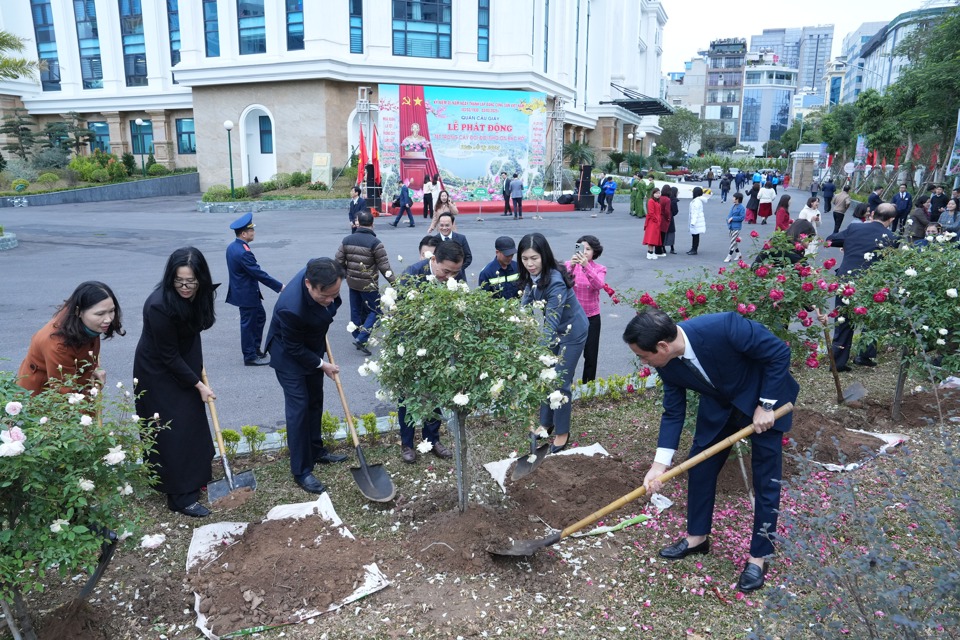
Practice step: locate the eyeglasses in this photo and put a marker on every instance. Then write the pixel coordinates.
(184, 284)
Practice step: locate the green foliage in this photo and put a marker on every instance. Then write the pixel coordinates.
(578, 153)
(370, 427)
(12, 68)
(616, 156)
(392, 420)
(254, 189)
(254, 438)
(216, 193)
(239, 193)
(329, 425)
(116, 170)
(839, 130)
(269, 185)
(19, 184)
(150, 161)
(130, 162)
(282, 433)
(80, 136)
(57, 135)
(48, 178)
(350, 175)
(775, 293)
(157, 170)
(72, 480)
(876, 120)
(50, 158)
(636, 161)
(3, 163)
(1, 229)
(299, 178)
(282, 180)
(18, 127)
(231, 442)
(490, 359)
(86, 166)
(681, 131)
(100, 175)
(318, 186)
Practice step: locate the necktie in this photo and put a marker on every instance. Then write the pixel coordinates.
(696, 372)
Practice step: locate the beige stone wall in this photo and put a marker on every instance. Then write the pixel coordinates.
(309, 117)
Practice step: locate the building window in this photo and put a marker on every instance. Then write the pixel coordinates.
(781, 113)
(294, 25)
(142, 137)
(483, 31)
(46, 44)
(253, 31)
(186, 136)
(266, 135)
(101, 136)
(134, 49)
(546, 33)
(173, 25)
(211, 28)
(356, 26)
(750, 123)
(88, 37)
(421, 28)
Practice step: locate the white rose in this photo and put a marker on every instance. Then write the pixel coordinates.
(388, 274)
(115, 456)
(910, 272)
(374, 366)
(549, 360)
(940, 238)
(119, 385)
(10, 447)
(941, 341)
(868, 256)
(93, 392)
(135, 381)
(841, 320)
(556, 399)
(412, 294)
(942, 332)
(152, 542)
(464, 287)
(548, 374)
(44, 420)
(951, 293)
(496, 388)
(513, 319)
(399, 258)
(388, 304)
(381, 395)
(86, 485)
(430, 277)
(363, 370)
(351, 327)
(125, 490)
(461, 305)
(58, 525)
(484, 375)
(74, 398)
(14, 408)
(134, 418)
(924, 327)
(390, 292)
(425, 446)
(461, 399)
(401, 350)
(452, 284)
(86, 421)
(421, 353)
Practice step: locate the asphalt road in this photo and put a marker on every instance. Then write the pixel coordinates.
(126, 244)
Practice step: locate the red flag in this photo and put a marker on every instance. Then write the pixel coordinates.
(933, 156)
(375, 159)
(884, 161)
(896, 159)
(362, 164)
(830, 160)
(917, 151)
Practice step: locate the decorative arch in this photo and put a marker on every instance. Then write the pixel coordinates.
(258, 148)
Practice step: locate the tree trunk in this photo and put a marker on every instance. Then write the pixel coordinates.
(27, 631)
(458, 427)
(901, 382)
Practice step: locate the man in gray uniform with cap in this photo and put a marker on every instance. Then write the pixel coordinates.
(244, 290)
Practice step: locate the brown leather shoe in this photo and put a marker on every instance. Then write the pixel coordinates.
(409, 455)
(441, 451)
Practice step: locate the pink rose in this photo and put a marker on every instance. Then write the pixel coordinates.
(754, 234)
(833, 286)
(751, 308)
(701, 299)
(733, 285)
(807, 322)
(781, 277)
(762, 272)
(848, 291)
(741, 308)
(807, 286)
(16, 434)
(860, 311)
(776, 294)
(830, 263)
(813, 362)
(802, 314)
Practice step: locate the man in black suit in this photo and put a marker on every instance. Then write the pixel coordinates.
(829, 189)
(357, 204)
(742, 373)
(445, 227)
(875, 199)
(296, 343)
(859, 243)
(937, 203)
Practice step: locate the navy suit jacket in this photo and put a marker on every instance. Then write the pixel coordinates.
(858, 240)
(298, 330)
(743, 360)
(245, 274)
(355, 209)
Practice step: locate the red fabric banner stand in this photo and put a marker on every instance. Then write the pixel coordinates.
(361, 165)
(417, 162)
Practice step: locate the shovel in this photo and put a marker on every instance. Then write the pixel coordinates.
(525, 466)
(222, 488)
(852, 393)
(374, 482)
(529, 547)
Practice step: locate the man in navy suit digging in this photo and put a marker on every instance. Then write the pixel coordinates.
(742, 373)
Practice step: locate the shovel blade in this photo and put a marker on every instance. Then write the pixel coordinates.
(374, 482)
(525, 466)
(221, 488)
(854, 392)
(525, 548)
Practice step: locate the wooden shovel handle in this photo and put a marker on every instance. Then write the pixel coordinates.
(672, 473)
(343, 398)
(213, 413)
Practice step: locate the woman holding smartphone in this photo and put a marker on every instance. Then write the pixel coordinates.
(589, 279)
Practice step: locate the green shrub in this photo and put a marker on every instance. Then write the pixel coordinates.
(1, 229)
(370, 427)
(283, 439)
(117, 171)
(52, 158)
(216, 193)
(231, 441)
(254, 438)
(17, 168)
(269, 185)
(84, 166)
(254, 189)
(20, 184)
(282, 180)
(349, 174)
(48, 178)
(157, 170)
(239, 193)
(317, 186)
(298, 179)
(129, 162)
(329, 425)
(150, 161)
(100, 175)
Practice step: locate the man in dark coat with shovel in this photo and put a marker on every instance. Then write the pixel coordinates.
(297, 343)
(742, 372)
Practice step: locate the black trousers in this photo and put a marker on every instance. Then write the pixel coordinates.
(428, 205)
(591, 349)
(843, 339)
(696, 241)
(506, 203)
(838, 221)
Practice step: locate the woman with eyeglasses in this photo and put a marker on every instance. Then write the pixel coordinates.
(169, 388)
(68, 346)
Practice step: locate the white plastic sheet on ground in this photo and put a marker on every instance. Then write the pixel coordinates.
(889, 440)
(498, 469)
(211, 540)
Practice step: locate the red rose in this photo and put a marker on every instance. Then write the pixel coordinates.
(720, 287)
(813, 362)
(631, 388)
(762, 272)
(742, 308)
(647, 300)
(833, 286)
(733, 285)
(802, 314)
(722, 270)
(645, 372)
(776, 294)
(805, 271)
(807, 322)
(830, 263)
(848, 291)
(754, 234)
(766, 246)
(860, 311)
(691, 295)
(751, 308)
(807, 286)
(781, 277)
(799, 247)
(701, 299)
(880, 296)
(739, 239)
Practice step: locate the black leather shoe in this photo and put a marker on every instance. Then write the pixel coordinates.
(261, 354)
(257, 362)
(441, 451)
(362, 348)
(330, 458)
(408, 455)
(752, 577)
(311, 485)
(557, 449)
(393, 225)
(844, 369)
(692, 252)
(196, 510)
(681, 549)
(864, 362)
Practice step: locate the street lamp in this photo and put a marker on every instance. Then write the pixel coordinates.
(143, 168)
(630, 141)
(228, 125)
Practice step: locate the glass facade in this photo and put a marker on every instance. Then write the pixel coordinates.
(46, 44)
(780, 116)
(483, 31)
(356, 26)
(211, 29)
(750, 122)
(88, 36)
(421, 28)
(134, 47)
(186, 136)
(142, 137)
(251, 26)
(266, 135)
(294, 25)
(101, 136)
(173, 25)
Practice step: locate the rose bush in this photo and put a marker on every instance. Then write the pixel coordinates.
(66, 481)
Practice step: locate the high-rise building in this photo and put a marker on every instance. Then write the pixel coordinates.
(806, 49)
(850, 51)
(768, 89)
(783, 43)
(833, 81)
(687, 88)
(725, 62)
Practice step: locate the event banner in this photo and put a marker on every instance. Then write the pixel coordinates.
(466, 136)
(953, 168)
(860, 157)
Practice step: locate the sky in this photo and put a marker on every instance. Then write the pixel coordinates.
(692, 24)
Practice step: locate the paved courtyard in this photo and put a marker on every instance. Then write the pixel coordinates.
(126, 244)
